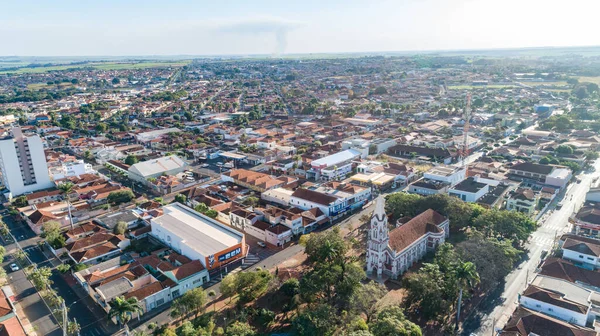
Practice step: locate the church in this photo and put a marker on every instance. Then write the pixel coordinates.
(393, 252)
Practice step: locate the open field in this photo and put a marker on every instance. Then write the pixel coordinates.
(39, 86)
(100, 66)
(471, 87)
(557, 83)
(588, 79)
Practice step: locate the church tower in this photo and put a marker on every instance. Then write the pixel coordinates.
(378, 239)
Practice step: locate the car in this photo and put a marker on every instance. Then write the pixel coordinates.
(261, 244)
(14, 267)
(204, 165)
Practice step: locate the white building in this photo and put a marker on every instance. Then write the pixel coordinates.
(197, 236)
(449, 175)
(170, 165)
(333, 167)
(561, 299)
(69, 169)
(376, 146)
(581, 250)
(470, 189)
(333, 200)
(393, 252)
(23, 164)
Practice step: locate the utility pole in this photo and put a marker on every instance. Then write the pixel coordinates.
(493, 326)
(64, 309)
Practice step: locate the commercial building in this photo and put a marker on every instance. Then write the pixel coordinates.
(333, 167)
(556, 176)
(252, 180)
(198, 237)
(169, 165)
(23, 164)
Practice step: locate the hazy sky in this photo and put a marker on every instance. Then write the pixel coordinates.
(198, 27)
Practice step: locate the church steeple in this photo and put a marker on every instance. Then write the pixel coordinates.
(378, 238)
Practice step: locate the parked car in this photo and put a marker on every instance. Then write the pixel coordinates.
(261, 244)
(14, 267)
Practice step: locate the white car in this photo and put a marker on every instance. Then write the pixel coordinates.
(204, 165)
(14, 267)
(261, 244)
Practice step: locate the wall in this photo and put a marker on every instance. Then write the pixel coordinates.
(579, 257)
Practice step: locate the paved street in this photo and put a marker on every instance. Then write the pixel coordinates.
(551, 226)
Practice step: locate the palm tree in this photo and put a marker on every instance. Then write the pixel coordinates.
(466, 277)
(67, 188)
(122, 309)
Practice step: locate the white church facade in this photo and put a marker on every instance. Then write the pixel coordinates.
(393, 252)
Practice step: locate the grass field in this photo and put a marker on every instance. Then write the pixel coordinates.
(38, 86)
(100, 66)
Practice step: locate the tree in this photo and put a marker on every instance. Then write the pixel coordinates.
(290, 287)
(365, 298)
(466, 275)
(20, 201)
(87, 155)
(131, 160)
(591, 155)
(120, 228)
(192, 301)
(391, 321)
(181, 198)
(67, 189)
(123, 309)
(380, 90)
(73, 328)
(41, 277)
(402, 204)
(51, 231)
(507, 224)
(212, 294)
(238, 328)
(20, 255)
(318, 320)
(101, 127)
(325, 247)
(426, 291)
(116, 81)
(478, 102)
(252, 201)
(564, 149)
(121, 196)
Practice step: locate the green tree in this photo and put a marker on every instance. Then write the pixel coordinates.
(391, 321)
(238, 328)
(123, 309)
(131, 160)
(507, 224)
(101, 127)
(564, 149)
(317, 320)
(181, 198)
(192, 301)
(116, 81)
(67, 189)
(20, 201)
(402, 204)
(121, 196)
(365, 298)
(426, 291)
(591, 155)
(40, 277)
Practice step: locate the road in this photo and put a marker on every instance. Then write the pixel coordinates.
(552, 225)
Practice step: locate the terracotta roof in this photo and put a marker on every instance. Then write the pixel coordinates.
(145, 291)
(188, 269)
(554, 298)
(253, 178)
(533, 168)
(566, 270)
(525, 322)
(428, 221)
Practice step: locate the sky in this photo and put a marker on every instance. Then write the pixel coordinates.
(233, 27)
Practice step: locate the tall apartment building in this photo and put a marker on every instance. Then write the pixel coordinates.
(23, 164)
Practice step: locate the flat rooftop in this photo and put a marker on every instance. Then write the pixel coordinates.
(200, 232)
(570, 290)
(442, 171)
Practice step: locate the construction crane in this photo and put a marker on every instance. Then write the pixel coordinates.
(464, 152)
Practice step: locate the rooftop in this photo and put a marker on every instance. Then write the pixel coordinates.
(199, 232)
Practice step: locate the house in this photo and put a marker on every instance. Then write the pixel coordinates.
(154, 280)
(422, 153)
(581, 250)
(567, 270)
(522, 200)
(10, 324)
(392, 253)
(561, 299)
(252, 180)
(151, 169)
(526, 322)
(98, 246)
(586, 221)
(333, 199)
